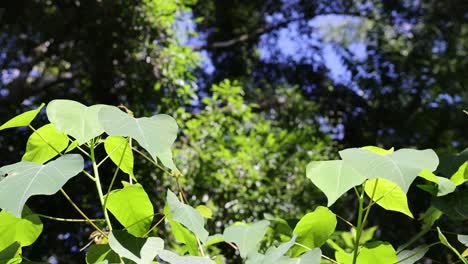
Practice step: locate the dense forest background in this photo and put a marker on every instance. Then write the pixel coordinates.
(259, 89)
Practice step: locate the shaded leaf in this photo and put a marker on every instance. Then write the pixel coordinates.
(444, 185)
(120, 152)
(139, 250)
(187, 216)
(28, 178)
(182, 234)
(454, 205)
(23, 119)
(156, 134)
(411, 256)
(450, 163)
(246, 237)
(273, 254)
(98, 253)
(132, 207)
(44, 143)
(10, 254)
(24, 230)
(314, 229)
(75, 119)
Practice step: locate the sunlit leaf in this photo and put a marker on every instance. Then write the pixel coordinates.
(75, 119)
(375, 253)
(187, 215)
(26, 179)
(182, 234)
(120, 152)
(246, 237)
(314, 229)
(173, 258)
(461, 176)
(333, 178)
(204, 211)
(23, 119)
(445, 242)
(132, 207)
(388, 195)
(310, 257)
(44, 143)
(444, 185)
(400, 167)
(156, 134)
(24, 230)
(139, 250)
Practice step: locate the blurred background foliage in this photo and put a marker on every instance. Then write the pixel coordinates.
(259, 89)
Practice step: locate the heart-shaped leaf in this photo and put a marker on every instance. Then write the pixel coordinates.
(75, 119)
(400, 167)
(187, 215)
(388, 195)
(44, 144)
(132, 208)
(246, 237)
(23, 119)
(314, 229)
(139, 250)
(26, 179)
(24, 230)
(333, 178)
(156, 134)
(120, 152)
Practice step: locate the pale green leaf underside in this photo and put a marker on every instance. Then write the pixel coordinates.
(75, 119)
(246, 237)
(24, 230)
(156, 134)
(388, 195)
(148, 251)
(463, 239)
(187, 216)
(314, 229)
(411, 256)
(28, 178)
(44, 143)
(444, 185)
(132, 207)
(400, 167)
(333, 178)
(274, 254)
(23, 119)
(120, 152)
(173, 258)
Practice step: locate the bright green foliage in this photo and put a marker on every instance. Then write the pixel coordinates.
(461, 176)
(23, 119)
(120, 152)
(156, 134)
(444, 185)
(346, 239)
(375, 253)
(246, 237)
(44, 144)
(334, 177)
(139, 250)
(24, 230)
(274, 254)
(411, 256)
(205, 211)
(75, 119)
(100, 252)
(173, 258)
(187, 215)
(28, 178)
(314, 229)
(10, 254)
(388, 195)
(444, 241)
(400, 167)
(182, 234)
(132, 207)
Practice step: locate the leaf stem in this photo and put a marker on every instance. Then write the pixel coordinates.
(323, 256)
(151, 160)
(359, 225)
(69, 219)
(98, 184)
(114, 176)
(155, 225)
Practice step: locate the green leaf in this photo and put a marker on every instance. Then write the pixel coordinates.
(378, 150)
(246, 237)
(72, 146)
(463, 239)
(445, 242)
(23, 119)
(314, 229)
(120, 152)
(461, 176)
(400, 167)
(204, 211)
(388, 195)
(375, 253)
(430, 217)
(139, 250)
(98, 253)
(444, 185)
(333, 178)
(26, 179)
(214, 239)
(273, 254)
(454, 205)
(182, 234)
(187, 216)
(156, 134)
(310, 257)
(450, 163)
(411, 256)
(173, 258)
(75, 119)
(10, 254)
(44, 143)
(24, 230)
(132, 207)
